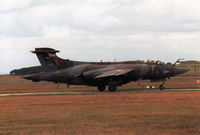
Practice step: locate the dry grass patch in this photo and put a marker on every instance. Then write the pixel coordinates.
(103, 113)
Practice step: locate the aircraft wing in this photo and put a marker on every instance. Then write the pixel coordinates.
(116, 72)
(97, 74)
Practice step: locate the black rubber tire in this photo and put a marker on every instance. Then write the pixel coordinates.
(101, 88)
(112, 88)
(161, 87)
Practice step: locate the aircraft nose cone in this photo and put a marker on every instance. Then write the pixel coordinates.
(181, 70)
(33, 77)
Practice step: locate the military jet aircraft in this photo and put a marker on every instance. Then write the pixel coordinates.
(100, 74)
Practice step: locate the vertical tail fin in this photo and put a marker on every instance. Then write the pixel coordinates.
(47, 57)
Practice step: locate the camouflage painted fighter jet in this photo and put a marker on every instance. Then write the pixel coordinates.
(99, 74)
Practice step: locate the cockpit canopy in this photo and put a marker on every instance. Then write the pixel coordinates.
(158, 62)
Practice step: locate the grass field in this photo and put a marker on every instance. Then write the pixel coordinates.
(124, 112)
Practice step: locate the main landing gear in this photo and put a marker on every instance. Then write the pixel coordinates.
(101, 87)
(112, 86)
(162, 86)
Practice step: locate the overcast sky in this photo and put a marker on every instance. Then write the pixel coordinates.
(91, 30)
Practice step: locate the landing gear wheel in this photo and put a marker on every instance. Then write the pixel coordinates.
(101, 88)
(112, 88)
(162, 87)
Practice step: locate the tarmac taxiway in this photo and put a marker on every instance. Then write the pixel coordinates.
(85, 92)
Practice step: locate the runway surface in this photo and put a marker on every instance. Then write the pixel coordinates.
(86, 92)
(43, 93)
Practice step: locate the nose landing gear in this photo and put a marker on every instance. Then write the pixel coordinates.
(162, 86)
